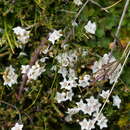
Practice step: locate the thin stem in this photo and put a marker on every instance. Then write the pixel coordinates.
(112, 5)
(34, 100)
(121, 19)
(77, 15)
(94, 2)
(20, 119)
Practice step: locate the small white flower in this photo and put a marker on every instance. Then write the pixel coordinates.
(93, 104)
(55, 36)
(101, 121)
(63, 71)
(116, 101)
(68, 118)
(90, 27)
(24, 69)
(22, 34)
(74, 24)
(33, 72)
(72, 111)
(60, 97)
(67, 58)
(9, 76)
(105, 94)
(78, 2)
(43, 59)
(86, 125)
(17, 127)
(85, 82)
(69, 95)
(81, 105)
(68, 84)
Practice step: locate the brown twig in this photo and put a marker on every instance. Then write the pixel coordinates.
(33, 60)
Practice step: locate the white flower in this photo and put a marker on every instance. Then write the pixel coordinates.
(86, 125)
(78, 2)
(67, 58)
(54, 36)
(24, 69)
(93, 104)
(81, 105)
(72, 74)
(22, 34)
(101, 121)
(71, 112)
(116, 101)
(60, 97)
(74, 24)
(17, 127)
(33, 72)
(105, 94)
(85, 82)
(9, 76)
(63, 71)
(43, 59)
(68, 118)
(90, 27)
(69, 95)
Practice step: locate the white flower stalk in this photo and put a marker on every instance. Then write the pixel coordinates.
(116, 101)
(9, 76)
(90, 27)
(78, 2)
(17, 127)
(22, 34)
(55, 36)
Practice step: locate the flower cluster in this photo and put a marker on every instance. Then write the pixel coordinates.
(33, 72)
(22, 34)
(9, 76)
(67, 58)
